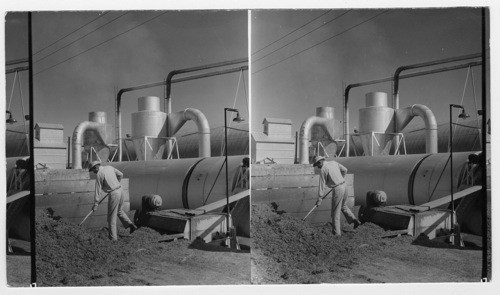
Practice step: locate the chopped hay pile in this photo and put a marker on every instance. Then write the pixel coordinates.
(67, 254)
(288, 250)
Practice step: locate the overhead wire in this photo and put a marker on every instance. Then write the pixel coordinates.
(22, 102)
(72, 32)
(12, 91)
(245, 90)
(74, 41)
(324, 24)
(310, 47)
(291, 32)
(463, 96)
(106, 41)
(474, 93)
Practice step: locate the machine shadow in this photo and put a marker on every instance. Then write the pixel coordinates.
(440, 242)
(215, 246)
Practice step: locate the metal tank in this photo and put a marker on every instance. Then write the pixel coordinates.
(181, 183)
(148, 121)
(411, 179)
(17, 141)
(90, 139)
(322, 125)
(376, 117)
(318, 133)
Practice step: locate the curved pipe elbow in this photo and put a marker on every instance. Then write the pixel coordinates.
(431, 137)
(305, 134)
(203, 130)
(77, 140)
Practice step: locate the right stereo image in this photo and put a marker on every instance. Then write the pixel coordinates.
(370, 146)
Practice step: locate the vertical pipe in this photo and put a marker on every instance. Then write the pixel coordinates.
(119, 127)
(451, 178)
(69, 153)
(484, 202)
(346, 120)
(227, 170)
(296, 146)
(167, 108)
(32, 150)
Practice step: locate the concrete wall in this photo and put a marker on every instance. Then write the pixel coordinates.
(69, 193)
(294, 188)
(281, 153)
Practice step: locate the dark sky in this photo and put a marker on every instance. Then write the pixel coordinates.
(292, 87)
(67, 92)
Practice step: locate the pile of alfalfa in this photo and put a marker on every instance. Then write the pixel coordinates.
(289, 250)
(67, 254)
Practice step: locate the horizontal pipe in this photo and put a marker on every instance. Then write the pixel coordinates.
(199, 68)
(18, 69)
(372, 82)
(397, 73)
(16, 61)
(168, 83)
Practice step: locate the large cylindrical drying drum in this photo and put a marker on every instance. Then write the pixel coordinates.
(149, 121)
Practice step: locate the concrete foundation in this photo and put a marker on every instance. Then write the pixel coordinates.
(415, 220)
(204, 226)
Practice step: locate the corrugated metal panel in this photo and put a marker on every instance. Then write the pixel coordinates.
(277, 121)
(261, 137)
(466, 137)
(50, 126)
(237, 143)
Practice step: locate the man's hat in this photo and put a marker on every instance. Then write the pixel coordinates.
(317, 159)
(93, 164)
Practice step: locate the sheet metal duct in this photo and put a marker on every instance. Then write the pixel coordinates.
(181, 183)
(377, 119)
(149, 121)
(324, 119)
(404, 116)
(177, 120)
(97, 124)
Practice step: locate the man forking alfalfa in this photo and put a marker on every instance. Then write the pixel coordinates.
(332, 178)
(108, 181)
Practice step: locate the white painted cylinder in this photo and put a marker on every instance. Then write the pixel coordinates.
(410, 179)
(376, 117)
(148, 121)
(149, 103)
(98, 117)
(321, 135)
(376, 99)
(325, 112)
(181, 183)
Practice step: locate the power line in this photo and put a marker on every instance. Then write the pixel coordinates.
(100, 43)
(70, 33)
(301, 36)
(291, 32)
(81, 37)
(365, 21)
